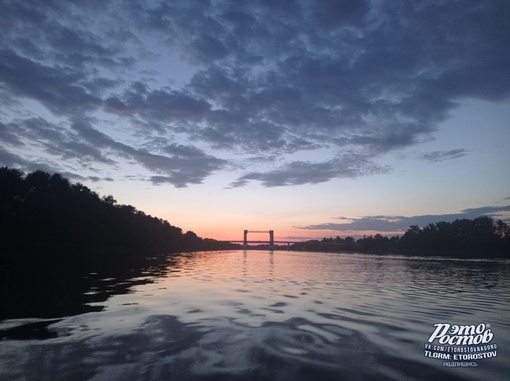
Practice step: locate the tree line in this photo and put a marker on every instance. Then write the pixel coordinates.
(42, 213)
(45, 214)
(480, 237)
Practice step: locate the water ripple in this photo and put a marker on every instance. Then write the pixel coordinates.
(282, 316)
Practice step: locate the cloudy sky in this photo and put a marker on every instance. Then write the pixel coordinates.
(311, 118)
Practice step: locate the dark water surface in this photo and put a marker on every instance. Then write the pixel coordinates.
(254, 315)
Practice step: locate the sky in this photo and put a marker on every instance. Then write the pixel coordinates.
(310, 118)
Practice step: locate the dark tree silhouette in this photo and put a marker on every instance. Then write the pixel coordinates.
(45, 214)
(55, 234)
(480, 238)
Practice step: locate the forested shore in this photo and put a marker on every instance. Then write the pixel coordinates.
(45, 215)
(481, 237)
(64, 248)
(59, 240)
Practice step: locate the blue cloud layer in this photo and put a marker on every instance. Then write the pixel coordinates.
(358, 78)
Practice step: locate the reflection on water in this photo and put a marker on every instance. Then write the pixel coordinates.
(55, 288)
(276, 316)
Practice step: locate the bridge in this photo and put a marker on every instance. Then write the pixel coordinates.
(271, 240)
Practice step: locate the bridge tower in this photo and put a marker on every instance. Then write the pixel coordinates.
(271, 238)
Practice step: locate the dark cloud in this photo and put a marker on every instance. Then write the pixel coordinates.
(159, 105)
(60, 143)
(7, 136)
(11, 160)
(358, 78)
(337, 13)
(486, 210)
(62, 32)
(401, 223)
(55, 87)
(76, 177)
(183, 166)
(436, 156)
(80, 143)
(300, 172)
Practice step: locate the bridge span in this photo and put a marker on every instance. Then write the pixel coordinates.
(270, 241)
(247, 242)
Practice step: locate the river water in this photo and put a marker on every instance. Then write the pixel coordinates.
(253, 315)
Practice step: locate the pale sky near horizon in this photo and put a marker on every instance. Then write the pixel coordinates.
(311, 118)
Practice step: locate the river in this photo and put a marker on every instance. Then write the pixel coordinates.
(253, 315)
